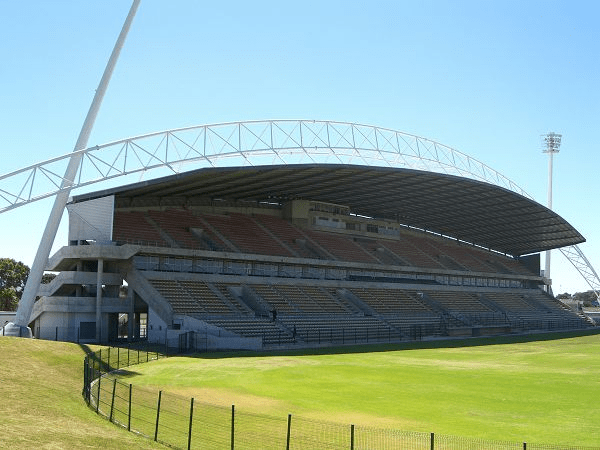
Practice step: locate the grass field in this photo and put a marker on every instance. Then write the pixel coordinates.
(41, 404)
(543, 391)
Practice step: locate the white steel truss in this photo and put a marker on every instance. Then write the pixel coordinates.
(253, 143)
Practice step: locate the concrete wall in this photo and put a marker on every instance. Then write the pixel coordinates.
(7, 316)
(157, 328)
(216, 338)
(63, 326)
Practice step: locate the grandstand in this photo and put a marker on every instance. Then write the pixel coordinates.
(303, 255)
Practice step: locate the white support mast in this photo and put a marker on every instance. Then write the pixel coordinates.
(552, 146)
(20, 326)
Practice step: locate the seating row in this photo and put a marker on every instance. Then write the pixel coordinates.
(265, 234)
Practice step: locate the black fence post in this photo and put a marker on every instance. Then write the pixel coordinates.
(112, 402)
(232, 427)
(85, 377)
(432, 441)
(98, 398)
(89, 375)
(190, 427)
(352, 437)
(55, 334)
(524, 445)
(157, 416)
(129, 409)
(289, 429)
(108, 360)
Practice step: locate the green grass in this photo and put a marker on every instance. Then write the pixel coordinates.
(41, 404)
(540, 391)
(543, 391)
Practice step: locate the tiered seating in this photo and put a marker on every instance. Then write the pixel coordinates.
(203, 294)
(345, 329)
(408, 249)
(177, 223)
(374, 247)
(177, 296)
(286, 232)
(463, 302)
(310, 300)
(324, 311)
(133, 228)
(536, 310)
(297, 297)
(274, 299)
(510, 301)
(390, 301)
(270, 332)
(194, 298)
(325, 301)
(224, 290)
(333, 292)
(464, 256)
(513, 265)
(245, 234)
(341, 247)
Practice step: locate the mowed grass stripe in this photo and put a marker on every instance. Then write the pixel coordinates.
(542, 391)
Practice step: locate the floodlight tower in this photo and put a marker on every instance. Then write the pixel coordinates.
(551, 146)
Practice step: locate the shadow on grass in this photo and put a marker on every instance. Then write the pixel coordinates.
(96, 361)
(123, 373)
(392, 347)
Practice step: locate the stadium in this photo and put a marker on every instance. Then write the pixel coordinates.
(299, 234)
(330, 285)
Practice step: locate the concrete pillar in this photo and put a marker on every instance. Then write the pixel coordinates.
(78, 289)
(99, 300)
(131, 315)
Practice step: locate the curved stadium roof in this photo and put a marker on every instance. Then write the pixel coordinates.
(473, 211)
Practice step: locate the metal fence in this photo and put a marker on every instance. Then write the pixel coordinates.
(186, 423)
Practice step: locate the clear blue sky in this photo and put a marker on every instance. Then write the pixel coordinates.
(484, 77)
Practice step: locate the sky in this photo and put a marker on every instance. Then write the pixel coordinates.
(487, 78)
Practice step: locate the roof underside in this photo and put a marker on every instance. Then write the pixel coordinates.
(462, 208)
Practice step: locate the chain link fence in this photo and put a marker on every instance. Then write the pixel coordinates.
(186, 423)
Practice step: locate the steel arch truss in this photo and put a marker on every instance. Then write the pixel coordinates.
(255, 143)
(574, 254)
(244, 144)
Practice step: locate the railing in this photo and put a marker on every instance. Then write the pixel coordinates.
(182, 422)
(76, 334)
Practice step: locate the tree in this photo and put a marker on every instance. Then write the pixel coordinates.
(48, 277)
(13, 276)
(588, 298)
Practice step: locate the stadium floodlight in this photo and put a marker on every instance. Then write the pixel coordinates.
(551, 142)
